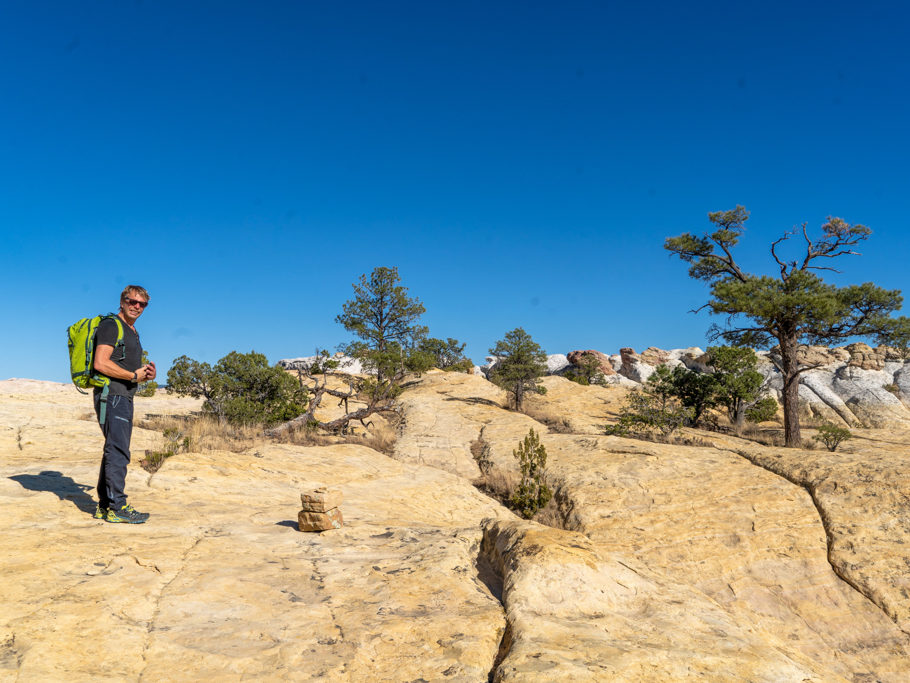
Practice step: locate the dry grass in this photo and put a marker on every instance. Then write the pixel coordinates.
(555, 422)
(550, 515)
(767, 436)
(498, 485)
(206, 433)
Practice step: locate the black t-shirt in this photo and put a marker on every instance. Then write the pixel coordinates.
(128, 356)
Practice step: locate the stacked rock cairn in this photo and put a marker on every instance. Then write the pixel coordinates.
(320, 510)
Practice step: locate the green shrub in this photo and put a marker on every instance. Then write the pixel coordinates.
(587, 372)
(832, 436)
(645, 412)
(762, 410)
(532, 492)
(241, 388)
(446, 355)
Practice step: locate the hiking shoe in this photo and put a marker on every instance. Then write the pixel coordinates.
(126, 515)
(100, 512)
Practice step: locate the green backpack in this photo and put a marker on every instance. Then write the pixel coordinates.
(81, 341)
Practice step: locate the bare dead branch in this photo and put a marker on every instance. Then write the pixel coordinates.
(783, 266)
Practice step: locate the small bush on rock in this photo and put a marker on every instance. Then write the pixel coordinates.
(532, 492)
(175, 441)
(832, 436)
(644, 413)
(587, 372)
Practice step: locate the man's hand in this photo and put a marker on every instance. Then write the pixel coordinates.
(150, 372)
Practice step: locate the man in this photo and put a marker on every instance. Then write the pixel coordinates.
(122, 363)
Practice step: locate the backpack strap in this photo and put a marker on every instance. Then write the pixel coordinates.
(102, 412)
(119, 341)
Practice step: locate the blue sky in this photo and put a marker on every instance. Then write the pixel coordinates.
(520, 163)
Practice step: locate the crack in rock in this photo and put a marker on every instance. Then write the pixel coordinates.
(151, 624)
(812, 489)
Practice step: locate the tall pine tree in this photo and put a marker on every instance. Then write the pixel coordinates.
(795, 306)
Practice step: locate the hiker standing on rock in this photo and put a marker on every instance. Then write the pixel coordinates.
(118, 355)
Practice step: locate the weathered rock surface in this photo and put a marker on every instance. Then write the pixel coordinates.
(737, 546)
(862, 493)
(577, 615)
(219, 584)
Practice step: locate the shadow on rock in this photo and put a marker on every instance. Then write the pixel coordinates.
(291, 524)
(476, 400)
(63, 487)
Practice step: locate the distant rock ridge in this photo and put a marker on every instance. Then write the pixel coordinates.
(856, 385)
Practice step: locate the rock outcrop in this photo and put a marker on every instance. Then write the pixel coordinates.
(854, 385)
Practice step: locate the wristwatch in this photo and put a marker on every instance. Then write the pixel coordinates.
(135, 376)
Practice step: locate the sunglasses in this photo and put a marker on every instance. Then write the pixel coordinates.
(136, 302)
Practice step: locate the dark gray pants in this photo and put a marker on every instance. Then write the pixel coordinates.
(117, 430)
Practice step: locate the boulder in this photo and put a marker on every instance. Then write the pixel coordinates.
(632, 367)
(487, 367)
(817, 355)
(557, 363)
(603, 361)
(693, 358)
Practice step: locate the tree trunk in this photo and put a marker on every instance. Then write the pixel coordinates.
(789, 372)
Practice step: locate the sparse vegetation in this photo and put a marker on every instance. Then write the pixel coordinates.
(893, 388)
(384, 319)
(532, 492)
(480, 451)
(762, 410)
(832, 435)
(520, 365)
(175, 441)
(739, 385)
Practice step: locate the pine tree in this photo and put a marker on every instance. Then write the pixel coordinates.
(796, 306)
(521, 364)
(385, 318)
